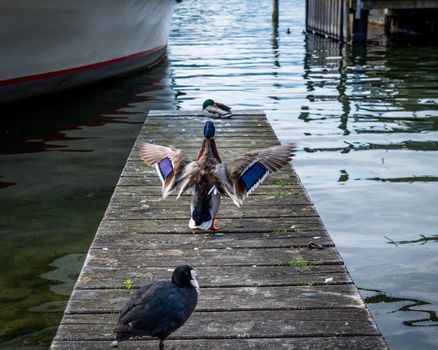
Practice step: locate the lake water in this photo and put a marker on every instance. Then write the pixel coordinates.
(365, 120)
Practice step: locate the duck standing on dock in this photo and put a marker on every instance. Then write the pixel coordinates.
(160, 308)
(216, 110)
(207, 178)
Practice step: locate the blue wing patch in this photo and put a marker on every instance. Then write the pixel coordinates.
(255, 173)
(165, 167)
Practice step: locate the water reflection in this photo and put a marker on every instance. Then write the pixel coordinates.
(368, 164)
(356, 146)
(33, 125)
(405, 179)
(275, 36)
(423, 240)
(60, 159)
(410, 305)
(325, 67)
(370, 102)
(365, 117)
(4, 184)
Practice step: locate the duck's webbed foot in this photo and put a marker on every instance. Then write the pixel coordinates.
(213, 227)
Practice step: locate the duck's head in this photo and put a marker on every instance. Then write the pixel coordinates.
(185, 276)
(209, 130)
(207, 103)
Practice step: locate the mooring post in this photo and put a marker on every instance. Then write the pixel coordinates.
(307, 16)
(360, 23)
(275, 32)
(389, 16)
(275, 9)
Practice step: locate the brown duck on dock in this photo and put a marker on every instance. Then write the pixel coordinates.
(208, 178)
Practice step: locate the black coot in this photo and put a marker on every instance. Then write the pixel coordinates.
(159, 308)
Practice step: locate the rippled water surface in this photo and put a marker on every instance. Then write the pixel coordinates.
(365, 120)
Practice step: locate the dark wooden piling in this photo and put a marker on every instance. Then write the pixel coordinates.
(347, 20)
(262, 287)
(329, 18)
(275, 10)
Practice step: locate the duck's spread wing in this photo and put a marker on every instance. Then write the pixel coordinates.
(172, 165)
(240, 177)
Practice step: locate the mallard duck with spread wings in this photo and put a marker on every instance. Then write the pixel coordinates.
(208, 178)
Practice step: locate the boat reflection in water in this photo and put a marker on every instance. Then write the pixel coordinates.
(61, 155)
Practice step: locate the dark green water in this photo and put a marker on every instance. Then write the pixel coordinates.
(365, 119)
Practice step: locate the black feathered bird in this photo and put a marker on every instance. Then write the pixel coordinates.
(160, 308)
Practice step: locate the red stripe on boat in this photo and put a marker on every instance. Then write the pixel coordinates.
(79, 69)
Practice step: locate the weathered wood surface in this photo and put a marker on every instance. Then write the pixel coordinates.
(218, 276)
(211, 257)
(231, 299)
(262, 287)
(108, 238)
(302, 343)
(259, 224)
(236, 324)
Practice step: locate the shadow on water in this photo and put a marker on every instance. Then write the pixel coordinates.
(423, 240)
(61, 156)
(410, 305)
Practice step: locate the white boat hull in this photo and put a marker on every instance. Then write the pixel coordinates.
(49, 45)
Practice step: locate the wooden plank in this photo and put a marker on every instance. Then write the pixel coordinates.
(247, 113)
(194, 116)
(109, 238)
(94, 301)
(262, 287)
(212, 257)
(243, 225)
(284, 197)
(130, 208)
(235, 324)
(307, 343)
(94, 277)
(225, 134)
(172, 125)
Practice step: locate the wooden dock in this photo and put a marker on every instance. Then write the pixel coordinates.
(261, 285)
